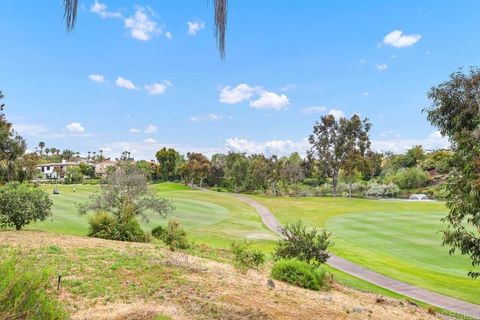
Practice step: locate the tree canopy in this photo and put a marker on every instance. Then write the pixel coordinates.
(455, 111)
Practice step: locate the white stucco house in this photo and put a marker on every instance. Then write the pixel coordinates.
(55, 170)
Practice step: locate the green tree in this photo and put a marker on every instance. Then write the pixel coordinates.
(149, 168)
(41, 145)
(87, 170)
(258, 172)
(236, 167)
(22, 203)
(73, 175)
(167, 163)
(217, 172)
(455, 111)
(197, 167)
(12, 148)
(334, 141)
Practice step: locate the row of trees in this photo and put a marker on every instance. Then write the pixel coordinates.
(52, 154)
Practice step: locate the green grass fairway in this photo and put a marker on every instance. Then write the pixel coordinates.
(397, 238)
(212, 218)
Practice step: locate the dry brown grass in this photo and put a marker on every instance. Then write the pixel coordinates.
(203, 289)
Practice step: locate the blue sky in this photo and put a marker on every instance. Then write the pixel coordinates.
(139, 75)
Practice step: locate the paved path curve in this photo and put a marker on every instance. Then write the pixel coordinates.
(432, 298)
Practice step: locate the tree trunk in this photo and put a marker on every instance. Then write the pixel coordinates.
(201, 182)
(18, 227)
(334, 183)
(191, 183)
(349, 189)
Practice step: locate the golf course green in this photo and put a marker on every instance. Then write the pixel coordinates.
(212, 218)
(400, 239)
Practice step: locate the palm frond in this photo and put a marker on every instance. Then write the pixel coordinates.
(70, 13)
(220, 25)
(220, 20)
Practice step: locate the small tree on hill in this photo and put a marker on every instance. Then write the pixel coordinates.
(305, 244)
(125, 196)
(22, 203)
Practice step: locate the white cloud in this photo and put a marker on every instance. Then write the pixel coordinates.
(168, 35)
(141, 26)
(365, 94)
(134, 130)
(101, 10)
(75, 127)
(398, 39)
(150, 140)
(125, 83)
(195, 26)
(363, 60)
(436, 135)
(158, 88)
(237, 94)
(316, 109)
(30, 129)
(270, 100)
(337, 114)
(272, 147)
(151, 129)
(208, 117)
(259, 98)
(95, 77)
(381, 66)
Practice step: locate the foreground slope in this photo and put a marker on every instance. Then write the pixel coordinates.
(114, 280)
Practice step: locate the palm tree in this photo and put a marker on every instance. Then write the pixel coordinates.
(47, 151)
(220, 20)
(41, 145)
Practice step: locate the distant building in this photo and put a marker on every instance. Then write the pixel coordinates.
(101, 168)
(55, 170)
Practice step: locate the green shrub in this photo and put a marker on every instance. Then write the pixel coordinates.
(23, 292)
(22, 203)
(309, 245)
(158, 232)
(174, 236)
(244, 257)
(299, 273)
(102, 225)
(106, 226)
(129, 230)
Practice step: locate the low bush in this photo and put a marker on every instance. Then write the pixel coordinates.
(172, 235)
(245, 257)
(299, 273)
(106, 226)
(305, 244)
(158, 232)
(23, 292)
(382, 190)
(101, 225)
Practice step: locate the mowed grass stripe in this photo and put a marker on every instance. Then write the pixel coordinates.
(399, 239)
